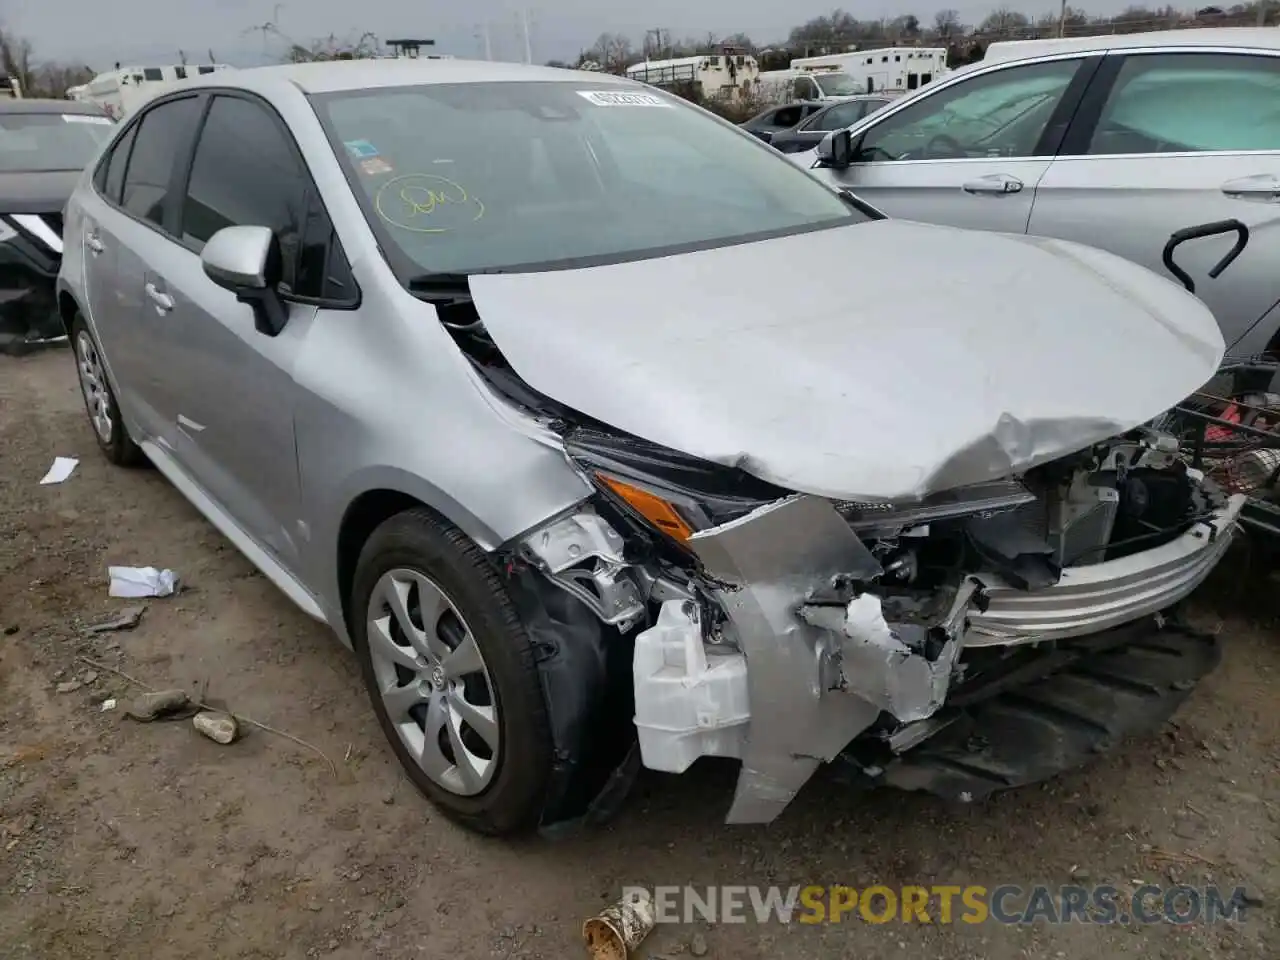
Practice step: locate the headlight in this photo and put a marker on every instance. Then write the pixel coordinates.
(977, 500)
(670, 491)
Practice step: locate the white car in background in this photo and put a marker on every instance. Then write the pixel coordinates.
(1112, 141)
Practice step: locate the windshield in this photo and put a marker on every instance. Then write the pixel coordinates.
(39, 142)
(836, 84)
(462, 178)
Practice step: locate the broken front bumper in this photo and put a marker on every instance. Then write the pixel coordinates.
(1093, 598)
(794, 681)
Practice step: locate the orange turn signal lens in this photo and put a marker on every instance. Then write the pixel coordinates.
(653, 508)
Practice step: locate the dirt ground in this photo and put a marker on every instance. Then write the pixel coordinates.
(121, 840)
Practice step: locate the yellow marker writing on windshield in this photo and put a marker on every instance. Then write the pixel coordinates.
(409, 201)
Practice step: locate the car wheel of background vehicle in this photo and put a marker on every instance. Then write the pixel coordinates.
(451, 674)
(100, 401)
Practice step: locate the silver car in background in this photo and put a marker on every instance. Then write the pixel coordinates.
(1114, 141)
(473, 361)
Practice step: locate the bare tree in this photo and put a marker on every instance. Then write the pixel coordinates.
(332, 47)
(946, 23)
(612, 51)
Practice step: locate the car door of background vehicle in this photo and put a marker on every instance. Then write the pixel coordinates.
(129, 227)
(235, 424)
(811, 131)
(971, 151)
(1169, 139)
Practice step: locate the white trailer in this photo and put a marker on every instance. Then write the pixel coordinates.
(887, 70)
(727, 76)
(784, 86)
(121, 91)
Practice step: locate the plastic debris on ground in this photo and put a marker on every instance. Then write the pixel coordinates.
(619, 928)
(61, 469)
(217, 726)
(134, 582)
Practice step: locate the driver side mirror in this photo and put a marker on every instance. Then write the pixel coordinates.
(247, 261)
(836, 150)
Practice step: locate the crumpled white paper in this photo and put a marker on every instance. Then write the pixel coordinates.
(61, 469)
(142, 582)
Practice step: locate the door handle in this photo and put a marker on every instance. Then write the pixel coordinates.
(93, 243)
(998, 183)
(1263, 188)
(163, 302)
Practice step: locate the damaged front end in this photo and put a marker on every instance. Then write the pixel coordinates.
(789, 630)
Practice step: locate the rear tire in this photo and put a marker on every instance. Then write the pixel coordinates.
(100, 400)
(422, 592)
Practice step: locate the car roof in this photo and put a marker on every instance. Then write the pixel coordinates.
(41, 105)
(1266, 38)
(334, 76)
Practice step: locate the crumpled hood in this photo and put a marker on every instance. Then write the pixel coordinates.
(885, 359)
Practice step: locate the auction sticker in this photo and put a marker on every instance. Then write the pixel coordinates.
(611, 98)
(375, 166)
(360, 149)
(85, 118)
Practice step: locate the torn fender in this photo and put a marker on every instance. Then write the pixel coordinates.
(769, 561)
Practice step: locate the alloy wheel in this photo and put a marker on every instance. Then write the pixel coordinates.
(93, 384)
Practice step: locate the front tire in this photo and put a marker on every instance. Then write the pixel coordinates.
(100, 400)
(451, 675)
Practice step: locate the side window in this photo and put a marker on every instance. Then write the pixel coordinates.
(787, 117)
(245, 172)
(806, 89)
(110, 180)
(162, 132)
(837, 117)
(1191, 102)
(998, 114)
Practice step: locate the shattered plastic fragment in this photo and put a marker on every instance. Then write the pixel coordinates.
(879, 666)
(136, 582)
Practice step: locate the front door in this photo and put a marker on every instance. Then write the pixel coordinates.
(1170, 140)
(970, 153)
(235, 387)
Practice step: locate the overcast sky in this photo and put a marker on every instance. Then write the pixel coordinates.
(100, 32)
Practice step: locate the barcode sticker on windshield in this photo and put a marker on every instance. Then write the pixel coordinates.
(610, 98)
(84, 118)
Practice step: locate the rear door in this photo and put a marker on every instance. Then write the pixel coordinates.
(971, 151)
(1167, 139)
(120, 238)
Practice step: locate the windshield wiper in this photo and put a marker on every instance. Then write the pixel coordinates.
(440, 287)
(861, 205)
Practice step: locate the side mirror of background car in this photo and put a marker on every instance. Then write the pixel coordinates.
(247, 261)
(836, 150)
(764, 135)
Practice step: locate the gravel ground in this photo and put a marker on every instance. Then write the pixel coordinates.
(120, 839)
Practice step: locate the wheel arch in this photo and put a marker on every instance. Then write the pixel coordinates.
(68, 307)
